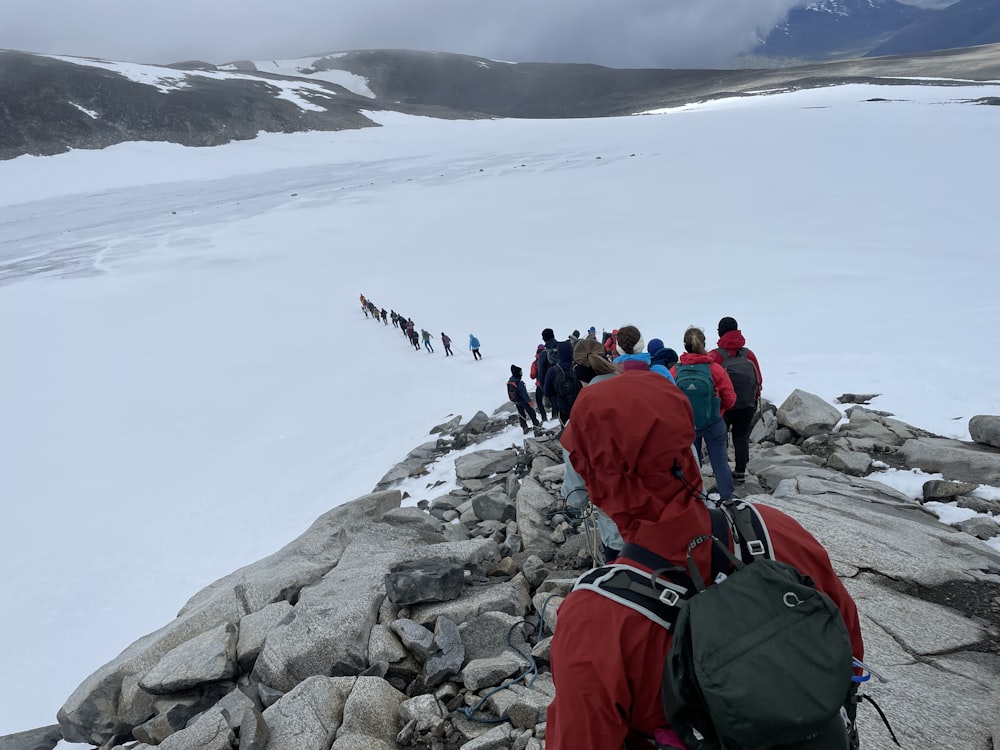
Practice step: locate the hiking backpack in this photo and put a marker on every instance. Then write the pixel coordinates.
(512, 390)
(759, 659)
(697, 383)
(743, 373)
(567, 387)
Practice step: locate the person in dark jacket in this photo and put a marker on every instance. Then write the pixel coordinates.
(446, 343)
(630, 440)
(521, 399)
(740, 416)
(563, 366)
(539, 395)
(544, 361)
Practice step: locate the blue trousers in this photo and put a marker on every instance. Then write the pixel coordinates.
(714, 436)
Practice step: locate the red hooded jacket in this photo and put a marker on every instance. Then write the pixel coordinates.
(624, 439)
(733, 341)
(723, 385)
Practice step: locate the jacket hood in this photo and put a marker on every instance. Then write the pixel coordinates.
(564, 353)
(732, 340)
(663, 357)
(687, 358)
(626, 439)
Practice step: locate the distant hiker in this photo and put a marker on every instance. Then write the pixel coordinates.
(474, 346)
(533, 374)
(411, 332)
(592, 333)
(661, 358)
(395, 318)
(574, 337)
(426, 336)
(710, 392)
(630, 348)
(629, 439)
(385, 320)
(446, 343)
(744, 371)
(518, 394)
(561, 383)
(611, 345)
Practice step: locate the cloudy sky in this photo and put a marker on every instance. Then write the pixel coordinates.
(629, 33)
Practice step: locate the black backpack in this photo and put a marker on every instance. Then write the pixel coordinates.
(567, 387)
(512, 390)
(759, 659)
(743, 373)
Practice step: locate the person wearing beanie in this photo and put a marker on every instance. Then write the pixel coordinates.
(533, 373)
(631, 350)
(744, 371)
(661, 359)
(714, 433)
(630, 440)
(518, 394)
(561, 399)
(592, 333)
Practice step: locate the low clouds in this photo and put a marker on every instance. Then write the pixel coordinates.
(619, 33)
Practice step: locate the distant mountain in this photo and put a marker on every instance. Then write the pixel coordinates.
(54, 104)
(964, 24)
(832, 29)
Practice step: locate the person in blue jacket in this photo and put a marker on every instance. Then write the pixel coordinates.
(474, 346)
(661, 358)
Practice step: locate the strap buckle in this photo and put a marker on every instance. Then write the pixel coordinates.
(756, 547)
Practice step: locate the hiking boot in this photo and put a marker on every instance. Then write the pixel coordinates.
(739, 477)
(525, 430)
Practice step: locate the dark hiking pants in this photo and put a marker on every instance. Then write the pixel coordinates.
(739, 420)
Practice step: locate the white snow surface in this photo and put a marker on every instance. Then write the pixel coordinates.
(188, 380)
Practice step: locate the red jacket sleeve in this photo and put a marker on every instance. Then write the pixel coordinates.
(724, 386)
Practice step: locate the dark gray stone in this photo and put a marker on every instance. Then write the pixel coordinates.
(430, 580)
(450, 655)
(985, 429)
(493, 505)
(945, 491)
(42, 738)
(417, 639)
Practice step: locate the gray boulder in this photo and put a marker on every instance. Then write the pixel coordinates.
(484, 463)
(307, 717)
(985, 429)
(449, 656)
(429, 580)
(965, 462)
(43, 738)
(254, 628)
(532, 523)
(807, 414)
(485, 636)
(510, 597)
(979, 527)
(208, 657)
(493, 505)
(945, 491)
(372, 710)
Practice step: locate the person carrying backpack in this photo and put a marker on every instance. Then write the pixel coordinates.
(630, 440)
(744, 371)
(545, 358)
(446, 343)
(518, 394)
(426, 336)
(561, 384)
(710, 392)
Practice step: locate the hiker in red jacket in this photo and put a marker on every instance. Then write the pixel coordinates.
(630, 439)
(732, 346)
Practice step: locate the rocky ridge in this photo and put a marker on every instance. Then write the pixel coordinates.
(429, 627)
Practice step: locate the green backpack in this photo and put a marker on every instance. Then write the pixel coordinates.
(697, 384)
(760, 659)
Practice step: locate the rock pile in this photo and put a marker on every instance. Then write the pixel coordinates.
(385, 626)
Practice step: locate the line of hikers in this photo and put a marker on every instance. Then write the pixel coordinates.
(692, 635)
(409, 330)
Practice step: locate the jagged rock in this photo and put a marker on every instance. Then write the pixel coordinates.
(372, 710)
(493, 505)
(307, 717)
(532, 523)
(384, 646)
(978, 504)
(807, 414)
(856, 398)
(447, 427)
(450, 654)
(510, 597)
(985, 429)
(885, 431)
(547, 606)
(254, 733)
(268, 695)
(979, 527)
(542, 649)
(209, 657)
(425, 710)
(210, 732)
(427, 528)
(170, 718)
(430, 580)
(486, 635)
(484, 463)
(480, 673)
(945, 491)
(95, 712)
(43, 738)
(506, 567)
(361, 742)
(497, 738)
(965, 462)
(856, 464)
(253, 629)
(763, 429)
(418, 640)
(478, 424)
(525, 707)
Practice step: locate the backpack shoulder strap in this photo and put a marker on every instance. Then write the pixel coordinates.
(752, 537)
(657, 596)
(742, 352)
(723, 352)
